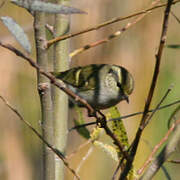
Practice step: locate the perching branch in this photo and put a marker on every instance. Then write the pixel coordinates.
(60, 85)
(126, 116)
(103, 124)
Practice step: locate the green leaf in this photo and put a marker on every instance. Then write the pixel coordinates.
(118, 127)
(83, 131)
(17, 32)
(40, 6)
(174, 46)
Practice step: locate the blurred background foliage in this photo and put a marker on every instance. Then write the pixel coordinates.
(20, 152)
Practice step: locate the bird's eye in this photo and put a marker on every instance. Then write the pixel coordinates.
(120, 86)
(110, 71)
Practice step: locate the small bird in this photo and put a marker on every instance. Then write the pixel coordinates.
(101, 85)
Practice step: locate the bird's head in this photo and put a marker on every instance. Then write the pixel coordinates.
(124, 79)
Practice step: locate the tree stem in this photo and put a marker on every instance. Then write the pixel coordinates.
(60, 99)
(44, 89)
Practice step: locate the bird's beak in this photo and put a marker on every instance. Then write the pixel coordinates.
(126, 98)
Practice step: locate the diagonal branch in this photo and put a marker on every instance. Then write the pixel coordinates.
(155, 110)
(165, 153)
(56, 151)
(114, 35)
(96, 27)
(155, 149)
(177, 19)
(60, 85)
(151, 91)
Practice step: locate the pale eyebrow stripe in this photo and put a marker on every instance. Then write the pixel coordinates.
(77, 76)
(119, 74)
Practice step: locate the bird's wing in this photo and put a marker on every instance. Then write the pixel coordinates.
(84, 78)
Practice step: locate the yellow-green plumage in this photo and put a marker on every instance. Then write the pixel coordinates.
(101, 85)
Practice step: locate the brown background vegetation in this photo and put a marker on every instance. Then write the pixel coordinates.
(20, 152)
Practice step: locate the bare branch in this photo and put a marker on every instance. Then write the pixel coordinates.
(174, 161)
(56, 151)
(155, 149)
(60, 85)
(114, 20)
(78, 149)
(88, 153)
(2, 4)
(151, 90)
(103, 124)
(117, 169)
(164, 154)
(177, 19)
(126, 116)
(110, 37)
(158, 105)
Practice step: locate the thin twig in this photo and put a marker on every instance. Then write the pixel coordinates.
(110, 37)
(158, 105)
(117, 169)
(2, 4)
(56, 151)
(173, 116)
(151, 91)
(177, 19)
(88, 153)
(164, 169)
(174, 161)
(50, 29)
(124, 117)
(77, 149)
(58, 84)
(150, 117)
(150, 158)
(96, 27)
(165, 153)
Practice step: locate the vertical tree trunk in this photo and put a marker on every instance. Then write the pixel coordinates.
(60, 99)
(44, 88)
